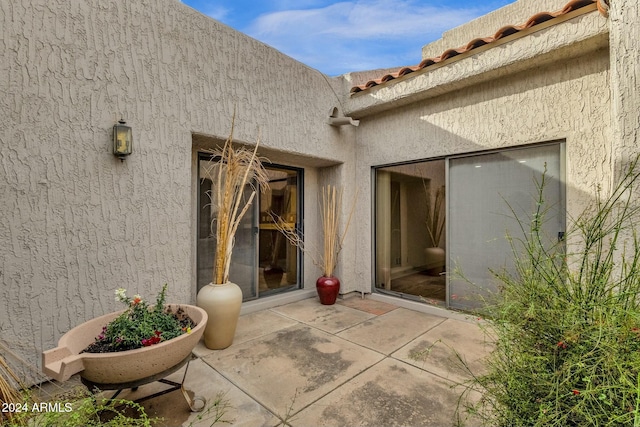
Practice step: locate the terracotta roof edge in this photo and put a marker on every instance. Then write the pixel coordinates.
(503, 32)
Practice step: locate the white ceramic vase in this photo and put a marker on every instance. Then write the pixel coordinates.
(222, 304)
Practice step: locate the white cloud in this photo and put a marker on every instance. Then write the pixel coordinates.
(297, 4)
(360, 33)
(219, 13)
(363, 19)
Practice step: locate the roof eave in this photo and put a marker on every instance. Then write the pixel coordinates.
(580, 32)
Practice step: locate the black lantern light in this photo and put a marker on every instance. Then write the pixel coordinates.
(122, 140)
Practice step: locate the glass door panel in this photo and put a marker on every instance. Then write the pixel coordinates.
(244, 261)
(263, 261)
(278, 258)
(488, 195)
(409, 219)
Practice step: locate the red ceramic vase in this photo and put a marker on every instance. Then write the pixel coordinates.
(328, 289)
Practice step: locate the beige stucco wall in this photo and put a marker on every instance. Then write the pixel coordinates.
(565, 97)
(516, 13)
(76, 223)
(625, 80)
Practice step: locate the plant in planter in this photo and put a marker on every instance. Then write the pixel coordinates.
(140, 325)
(434, 222)
(128, 345)
(327, 285)
(237, 174)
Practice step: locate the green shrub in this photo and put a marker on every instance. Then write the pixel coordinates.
(141, 325)
(567, 323)
(80, 409)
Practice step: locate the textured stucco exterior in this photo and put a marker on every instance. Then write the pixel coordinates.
(553, 85)
(625, 79)
(76, 223)
(516, 13)
(524, 108)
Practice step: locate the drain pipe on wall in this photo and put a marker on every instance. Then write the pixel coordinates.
(334, 120)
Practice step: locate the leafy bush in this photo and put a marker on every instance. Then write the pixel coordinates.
(567, 323)
(140, 325)
(81, 409)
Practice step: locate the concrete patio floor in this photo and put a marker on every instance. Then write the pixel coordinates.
(359, 362)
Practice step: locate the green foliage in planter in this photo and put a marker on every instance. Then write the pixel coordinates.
(140, 325)
(567, 323)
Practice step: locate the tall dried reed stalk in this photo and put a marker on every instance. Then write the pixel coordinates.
(9, 382)
(331, 201)
(435, 216)
(327, 259)
(236, 172)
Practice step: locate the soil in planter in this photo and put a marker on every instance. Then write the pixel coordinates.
(102, 347)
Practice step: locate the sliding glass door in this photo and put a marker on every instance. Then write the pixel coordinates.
(492, 197)
(278, 259)
(441, 225)
(263, 261)
(410, 223)
(244, 260)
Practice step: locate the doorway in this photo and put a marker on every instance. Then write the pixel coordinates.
(410, 239)
(279, 259)
(493, 199)
(442, 225)
(263, 261)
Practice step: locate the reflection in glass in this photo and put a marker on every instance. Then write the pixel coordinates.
(410, 238)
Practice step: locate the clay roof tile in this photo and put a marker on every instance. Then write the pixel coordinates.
(478, 42)
(503, 32)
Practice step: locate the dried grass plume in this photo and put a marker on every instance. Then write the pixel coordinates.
(237, 174)
(331, 206)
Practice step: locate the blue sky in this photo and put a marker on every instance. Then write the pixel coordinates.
(336, 37)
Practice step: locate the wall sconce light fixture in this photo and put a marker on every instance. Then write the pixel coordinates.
(122, 140)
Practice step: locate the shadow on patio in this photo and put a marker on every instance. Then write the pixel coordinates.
(359, 362)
